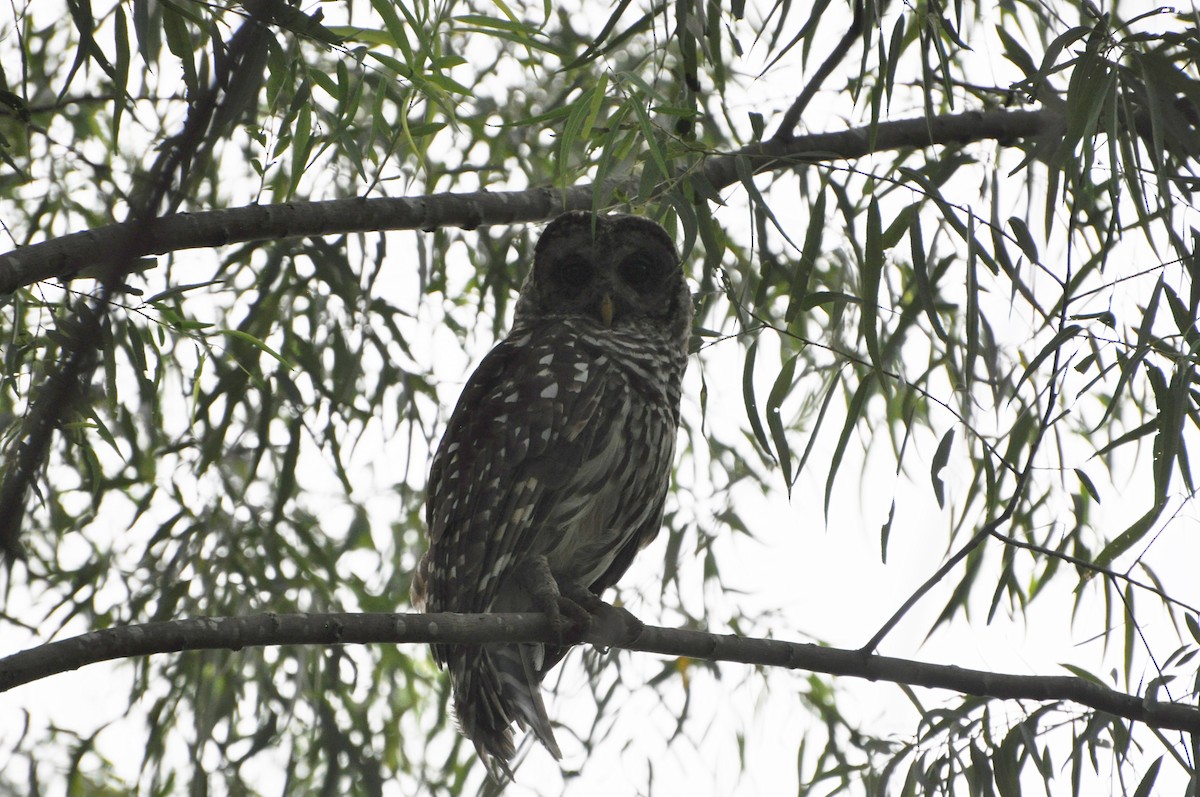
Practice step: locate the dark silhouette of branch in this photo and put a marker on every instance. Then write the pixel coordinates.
(68, 255)
(615, 628)
(71, 254)
(787, 127)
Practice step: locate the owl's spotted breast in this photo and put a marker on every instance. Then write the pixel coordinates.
(624, 429)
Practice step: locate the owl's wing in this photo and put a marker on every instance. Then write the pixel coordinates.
(525, 422)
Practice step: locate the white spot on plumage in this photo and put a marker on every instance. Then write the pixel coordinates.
(550, 391)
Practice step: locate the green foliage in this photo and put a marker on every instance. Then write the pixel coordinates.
(1008, 326)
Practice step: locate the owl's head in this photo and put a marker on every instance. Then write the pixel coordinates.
(615, 271)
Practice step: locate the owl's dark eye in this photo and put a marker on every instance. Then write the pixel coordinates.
(573, 271)
(640, 271)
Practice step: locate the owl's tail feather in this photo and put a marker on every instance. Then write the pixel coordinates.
(495, 688)
(521, 688)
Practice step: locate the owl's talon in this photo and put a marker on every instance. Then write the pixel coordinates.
(574, 616)
(582, 597)
(566, 615)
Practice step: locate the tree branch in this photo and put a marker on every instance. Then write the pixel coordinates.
(69, 255)
(791, 117)
(614, 629)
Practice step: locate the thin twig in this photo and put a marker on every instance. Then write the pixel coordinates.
(1083, 564)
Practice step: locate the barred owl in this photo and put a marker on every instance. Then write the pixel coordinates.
(554, 467)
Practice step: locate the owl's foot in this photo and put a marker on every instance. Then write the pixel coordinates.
(569, 606)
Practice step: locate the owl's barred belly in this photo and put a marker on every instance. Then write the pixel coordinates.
(609, 498)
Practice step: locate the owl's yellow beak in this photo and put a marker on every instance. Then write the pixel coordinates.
(606, 309)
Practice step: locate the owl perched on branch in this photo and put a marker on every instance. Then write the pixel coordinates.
(554, 468)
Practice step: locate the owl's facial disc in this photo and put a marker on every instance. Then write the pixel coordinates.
(615, 271)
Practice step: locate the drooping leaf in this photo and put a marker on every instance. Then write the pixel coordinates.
(872, 272)
(750, 402)
(779, 392)
(940, 458)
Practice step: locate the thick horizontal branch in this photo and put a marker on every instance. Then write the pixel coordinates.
(68, 255)
(618, 629)
(780, 153)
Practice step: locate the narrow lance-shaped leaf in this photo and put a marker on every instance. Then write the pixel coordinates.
(1007, 763)
(1089, 88)
(972, 316)
(1130, 366)
(1166, 443)
(570, 135)
(871, 274)
(940, 458)
(854, 410)
(598, 96)
(149, 37)
(1024, 238)
(1050, 348)
(1086, 481)
(256, 343)
(816, 428)
(921, 275)
(746, 175)
(886, 530)
(658, 156)
(808, 256)
(396, 28)
(1193, 626)
(893, 55)
(751, 402)
(1146, 786)
(780, 391)
(1053, 50)
(1131, 632)
(120, 70)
